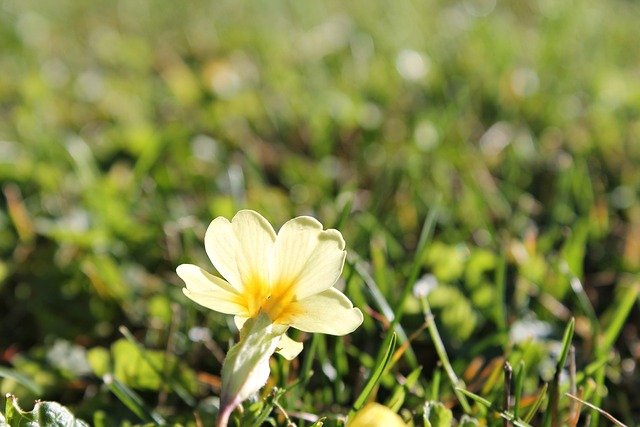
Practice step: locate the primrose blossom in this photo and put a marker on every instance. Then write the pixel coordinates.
(273, 282)
(289, 276)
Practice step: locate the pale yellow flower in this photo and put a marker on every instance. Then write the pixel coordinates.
(289, 276)
(376, 415)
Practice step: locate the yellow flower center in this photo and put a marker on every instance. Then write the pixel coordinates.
(277, 301)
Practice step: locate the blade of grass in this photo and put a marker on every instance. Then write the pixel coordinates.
(479, 399)
(435, 383)
(380, 301)
(341, 364)
(425, 236)
(583, 299)
(397, 398)
(599, 378)
(394, 316)
(371, 225)
(21, 379)
(307, 363)
(506, 398)
(536, 404)
(595, 408)
(383, 305)
(500, 312)
(623, 305)
(591, 368)
(506, 415)
(270, 402)
(494, 375)
(566, 345)
(442, 354)
(344, 213)
(376, 374)
(132, 400)
(551, 414)
(573, 388)
(519, 384)
(379, 267)
(273, 398)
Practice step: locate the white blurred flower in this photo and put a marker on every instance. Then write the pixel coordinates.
(412, 65)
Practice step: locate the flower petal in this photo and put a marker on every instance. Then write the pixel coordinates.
(209, 291)
(306, 257)
(240, 249)
(329, 312)
(239, 321)
(288, 348)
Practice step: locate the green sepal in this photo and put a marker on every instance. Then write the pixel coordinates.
(246, 367)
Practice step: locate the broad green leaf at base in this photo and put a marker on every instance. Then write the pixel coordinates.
(44, 414)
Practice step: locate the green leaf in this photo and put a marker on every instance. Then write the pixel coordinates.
(467, 421)
(437, 415)
(44, 414)
(445, 261)
(456, 312)
(178, 377)
(131, 368)
(159, 308)
(146, 369)
(481, 261)
(100, 361)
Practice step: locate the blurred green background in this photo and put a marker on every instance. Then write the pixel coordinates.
(126, 126)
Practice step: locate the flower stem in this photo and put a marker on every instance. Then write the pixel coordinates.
(223, 417)
(246, 368)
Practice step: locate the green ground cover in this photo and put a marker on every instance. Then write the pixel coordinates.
(480, 158)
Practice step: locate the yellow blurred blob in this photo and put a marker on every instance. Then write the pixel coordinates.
(376, 415)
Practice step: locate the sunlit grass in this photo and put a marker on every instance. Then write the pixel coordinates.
(480, 159)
